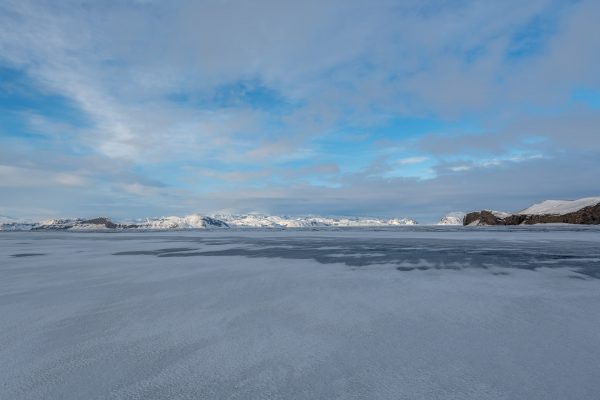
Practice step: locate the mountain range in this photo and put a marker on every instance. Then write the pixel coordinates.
(197, 221)
(580, 211)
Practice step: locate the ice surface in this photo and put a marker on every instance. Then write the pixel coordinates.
(560, 206)
(418, 313)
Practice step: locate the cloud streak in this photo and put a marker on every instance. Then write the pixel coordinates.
(198, 103)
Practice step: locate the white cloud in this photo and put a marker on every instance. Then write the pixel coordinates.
(461, 168)
(411, 160)
(19, 177)
(70, 179)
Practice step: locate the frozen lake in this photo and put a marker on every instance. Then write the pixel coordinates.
(412, 313)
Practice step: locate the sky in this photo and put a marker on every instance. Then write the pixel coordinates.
(410, 108)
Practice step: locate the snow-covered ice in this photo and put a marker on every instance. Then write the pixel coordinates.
(417, 313)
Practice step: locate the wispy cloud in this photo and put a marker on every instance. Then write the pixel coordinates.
(265, 94)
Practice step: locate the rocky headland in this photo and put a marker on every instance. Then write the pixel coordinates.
(582, 211)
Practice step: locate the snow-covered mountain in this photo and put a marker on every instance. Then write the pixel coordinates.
(197, 221)
(75, 224)
(455, 218)
(193, 221)
(271, 221)
(13, 224)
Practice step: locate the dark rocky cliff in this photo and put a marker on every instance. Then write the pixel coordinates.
(587, 215)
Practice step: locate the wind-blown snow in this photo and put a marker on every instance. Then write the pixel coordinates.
(560, 206)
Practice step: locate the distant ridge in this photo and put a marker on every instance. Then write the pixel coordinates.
(197, 221)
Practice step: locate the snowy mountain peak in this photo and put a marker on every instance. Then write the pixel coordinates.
(560, 206)
(193, 221)
(455, 218)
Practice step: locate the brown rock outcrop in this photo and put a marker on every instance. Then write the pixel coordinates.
(587, 215)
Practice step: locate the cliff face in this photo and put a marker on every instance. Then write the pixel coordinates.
(483, 217)
(586, 215)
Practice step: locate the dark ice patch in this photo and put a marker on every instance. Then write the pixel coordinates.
(578, 277)
(406, 254)
(27, 255)
(157, 252)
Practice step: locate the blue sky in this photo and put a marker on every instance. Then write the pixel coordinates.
(388, 108)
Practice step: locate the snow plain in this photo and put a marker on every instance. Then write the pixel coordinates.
(412, 313)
